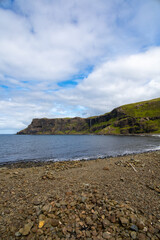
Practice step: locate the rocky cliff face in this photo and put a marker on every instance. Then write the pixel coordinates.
(56, 126)
(135, 118)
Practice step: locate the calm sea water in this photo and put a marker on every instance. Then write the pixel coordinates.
(15, 148)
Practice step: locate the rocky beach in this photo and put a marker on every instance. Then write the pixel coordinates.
(114, 198)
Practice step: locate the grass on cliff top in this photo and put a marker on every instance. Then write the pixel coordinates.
(149, 108)
(138, 110)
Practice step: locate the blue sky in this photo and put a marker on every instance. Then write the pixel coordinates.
(71, 58)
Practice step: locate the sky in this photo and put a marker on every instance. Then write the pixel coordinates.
(67, 58)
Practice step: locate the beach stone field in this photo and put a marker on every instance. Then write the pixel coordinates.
(113, 198)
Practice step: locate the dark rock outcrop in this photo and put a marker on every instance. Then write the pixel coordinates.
(56, 126)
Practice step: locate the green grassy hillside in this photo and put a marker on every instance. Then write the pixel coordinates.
(135, 118)
(143, 109)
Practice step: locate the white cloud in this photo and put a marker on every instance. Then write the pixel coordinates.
(45, 42)
(124, 80)
(55, 39)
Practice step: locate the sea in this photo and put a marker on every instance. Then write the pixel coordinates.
(16, 148)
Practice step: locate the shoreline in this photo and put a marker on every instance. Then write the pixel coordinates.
(92, 134)
(38, 163)
(111, 198)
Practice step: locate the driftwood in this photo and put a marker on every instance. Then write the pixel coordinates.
(133, 167)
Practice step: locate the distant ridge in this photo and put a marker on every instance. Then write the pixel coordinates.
(136, 118)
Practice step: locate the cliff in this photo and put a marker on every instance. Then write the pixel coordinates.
(136, 118)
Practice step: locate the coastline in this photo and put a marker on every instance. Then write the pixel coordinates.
(52, 191)
(107, 134)
(36, 162)
(40, 163)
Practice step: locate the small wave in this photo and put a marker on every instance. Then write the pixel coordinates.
(127, 152)
(155, 135)
(154, 148)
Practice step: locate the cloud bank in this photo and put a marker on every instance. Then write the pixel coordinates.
(75, 58)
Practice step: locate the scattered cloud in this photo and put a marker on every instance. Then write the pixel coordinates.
(127, 79)
(75, 58)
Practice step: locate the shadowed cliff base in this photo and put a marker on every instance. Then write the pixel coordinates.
(136, 118)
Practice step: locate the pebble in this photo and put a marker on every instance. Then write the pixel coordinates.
(17, 234)
(141, 236)
(133, 235)
(106, 168)
(133, 219)
(124, 221)
(83, 199)
(106, 223)
(122, 179)
(145, 229)
(26, 229)
(39, 232)
(89, 221)
(41, 224)
(106, 235)
(47, 208)
(140, 225)
(37, 202)
(69, 193)
(134, 228)
(113, 218)
(54, 222)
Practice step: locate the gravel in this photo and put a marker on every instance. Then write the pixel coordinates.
(114, 198)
